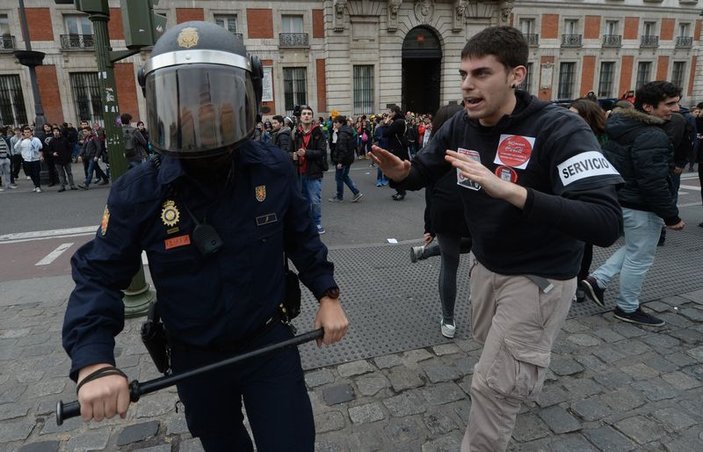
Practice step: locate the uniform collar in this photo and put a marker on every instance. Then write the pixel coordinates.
(169, 170)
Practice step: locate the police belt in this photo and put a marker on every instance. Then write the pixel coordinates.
(238, 346)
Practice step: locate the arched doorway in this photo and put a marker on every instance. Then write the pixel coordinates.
(422, 58)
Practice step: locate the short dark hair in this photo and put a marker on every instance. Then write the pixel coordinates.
(396, 109)
(26, 128)
(507, 44)
(125, 118)
(308, 108)
(443, 114)
(278, 118)
(341, 119)
(654, 92)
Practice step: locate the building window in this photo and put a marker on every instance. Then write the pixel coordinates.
(291, 24)
(605, 83)
(612, 37)
(677, 73)
(86, 96)
(79, 32)
(612, 27)
(12, 111)
(571, 36)
(526, 84)
(7, 41)
(294, 87)
(227, 21)
(363, 89)
(528, 29)
(684, 39)
(644, 70)
(566, 80)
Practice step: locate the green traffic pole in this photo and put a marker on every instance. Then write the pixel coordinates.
(138, 295)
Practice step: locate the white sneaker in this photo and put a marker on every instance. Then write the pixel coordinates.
(448, 329)
(416, 253)
(38, 190)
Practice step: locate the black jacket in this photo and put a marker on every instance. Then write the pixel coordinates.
(344, 149)
(282, 138)
(315, 153)
(62, 148)
(571, 196)
(395, 134)
(644, 159)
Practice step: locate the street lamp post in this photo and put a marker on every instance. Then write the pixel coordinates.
(31, 59)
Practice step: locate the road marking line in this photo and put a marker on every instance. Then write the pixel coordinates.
(52, 256)
(690, 187)
(53, 233)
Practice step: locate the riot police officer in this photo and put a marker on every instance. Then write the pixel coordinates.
(218, 215)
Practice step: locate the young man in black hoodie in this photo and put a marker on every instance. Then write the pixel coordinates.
(534, 187)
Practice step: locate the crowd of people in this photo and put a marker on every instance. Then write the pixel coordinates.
(521, 183)
(56, 146)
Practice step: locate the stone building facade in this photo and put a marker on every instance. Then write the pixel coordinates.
(358, 56)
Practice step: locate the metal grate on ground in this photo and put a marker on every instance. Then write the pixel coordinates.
(393, 305)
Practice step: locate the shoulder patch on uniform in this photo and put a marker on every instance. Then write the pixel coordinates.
(105, 220)
(584, 165)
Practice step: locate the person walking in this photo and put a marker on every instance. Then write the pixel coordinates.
(60, 149)
(30, 147)
(534, 187)
(342, 157)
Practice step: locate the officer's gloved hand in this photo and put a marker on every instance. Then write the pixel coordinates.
(102, 397)
(332, 319)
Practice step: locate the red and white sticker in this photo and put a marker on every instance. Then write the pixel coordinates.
(507, 174)
(175, 242)
(514, 151)
(465, 181)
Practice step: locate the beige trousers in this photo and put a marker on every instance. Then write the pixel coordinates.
(517, 323)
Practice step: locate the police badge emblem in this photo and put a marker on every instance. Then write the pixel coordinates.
(170, 214)
(188, 37)
(260, 193)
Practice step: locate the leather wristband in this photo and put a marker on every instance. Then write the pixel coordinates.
(102, 372)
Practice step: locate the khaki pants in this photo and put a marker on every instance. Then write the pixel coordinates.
(517, 323)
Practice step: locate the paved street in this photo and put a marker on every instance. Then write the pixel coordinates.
(394, 384)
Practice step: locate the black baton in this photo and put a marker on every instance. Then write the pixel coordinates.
(136, 389)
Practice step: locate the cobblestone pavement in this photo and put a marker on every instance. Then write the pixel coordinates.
(611, 387)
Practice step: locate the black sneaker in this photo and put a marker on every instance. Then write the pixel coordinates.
(593, 291)
(638, 317)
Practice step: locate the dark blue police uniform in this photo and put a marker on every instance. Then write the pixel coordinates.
(211, 306)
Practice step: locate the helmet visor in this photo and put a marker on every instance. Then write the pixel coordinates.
(196, 110)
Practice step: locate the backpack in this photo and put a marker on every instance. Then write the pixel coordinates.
(128, 139)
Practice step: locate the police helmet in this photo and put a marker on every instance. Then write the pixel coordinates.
(202, 91)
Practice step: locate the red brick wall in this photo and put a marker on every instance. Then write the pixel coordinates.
(592, 28)
(631, 28)
(662, 68)
(321, 85)
(259, 23)
(545, 94)
(272, 104)
(318, 24)
(550, 26)
(628, 62)
(39, 23)
(588, 71)
(50, 98)
(127, 89)
(693, 75)
(697, 31)
(187, 14)
(114, 26)
(667, 31)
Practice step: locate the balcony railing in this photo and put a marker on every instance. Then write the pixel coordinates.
(238, 36)
(684, 42)
(649, 42)
(532, 39)
(612, 40)
(571, 40)
(7, 42)
(293, 40)
(77, 41)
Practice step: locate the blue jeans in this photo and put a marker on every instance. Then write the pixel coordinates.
(312, 190)
(634, 258)
(342, 177)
